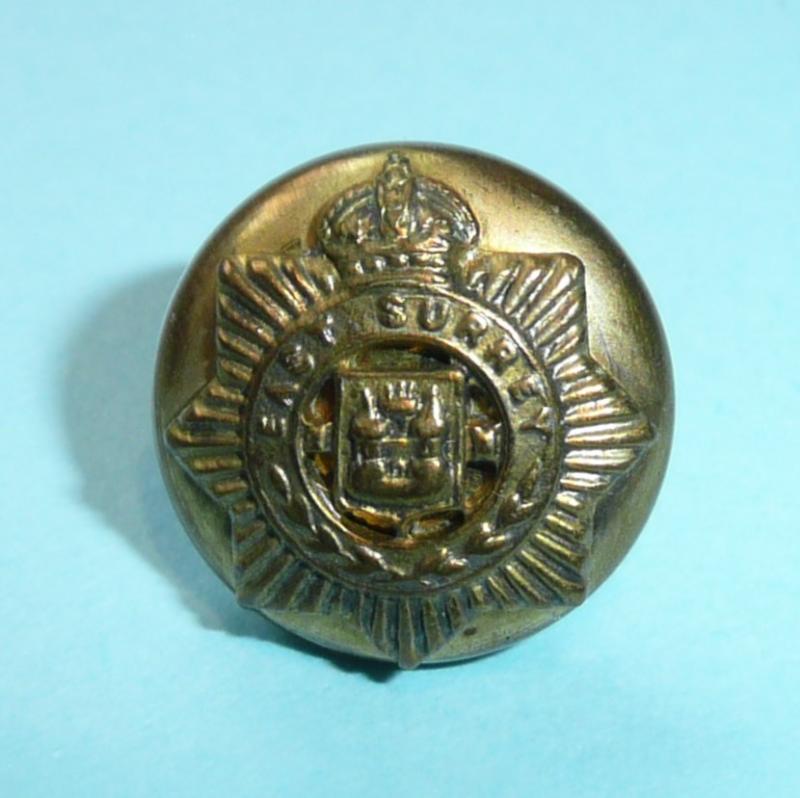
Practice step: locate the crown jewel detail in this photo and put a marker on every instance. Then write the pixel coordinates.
(398, 221)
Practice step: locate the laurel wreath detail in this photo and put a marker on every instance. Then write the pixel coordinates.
(362, 559)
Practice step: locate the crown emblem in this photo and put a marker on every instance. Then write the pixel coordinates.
(398, 222)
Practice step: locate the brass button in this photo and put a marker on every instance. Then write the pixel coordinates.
(413, 403)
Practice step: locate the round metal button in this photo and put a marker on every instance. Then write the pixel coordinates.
(413, 403)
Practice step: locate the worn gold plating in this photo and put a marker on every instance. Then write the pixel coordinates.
(406, 428)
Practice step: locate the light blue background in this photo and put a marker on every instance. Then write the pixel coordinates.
(128, 131)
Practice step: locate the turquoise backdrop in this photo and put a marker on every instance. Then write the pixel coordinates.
(128, 131)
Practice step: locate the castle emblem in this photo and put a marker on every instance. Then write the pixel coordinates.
(403, 424)
(400, 443)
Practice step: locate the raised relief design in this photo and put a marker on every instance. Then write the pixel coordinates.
(405, 428)
(399, 448)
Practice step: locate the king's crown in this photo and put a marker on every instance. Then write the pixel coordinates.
(399, 221)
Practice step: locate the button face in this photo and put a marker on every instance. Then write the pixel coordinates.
(413, 403)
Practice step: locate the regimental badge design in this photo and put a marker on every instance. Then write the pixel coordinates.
(406, 429)
(399, 447)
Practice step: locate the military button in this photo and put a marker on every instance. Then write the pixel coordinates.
(413, 403)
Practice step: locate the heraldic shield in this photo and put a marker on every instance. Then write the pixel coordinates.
(399, 447)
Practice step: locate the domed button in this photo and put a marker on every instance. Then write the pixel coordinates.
(413, 403)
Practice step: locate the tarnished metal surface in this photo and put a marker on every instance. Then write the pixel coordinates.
(413, 403)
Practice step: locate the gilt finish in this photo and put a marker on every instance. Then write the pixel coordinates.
(402, 427)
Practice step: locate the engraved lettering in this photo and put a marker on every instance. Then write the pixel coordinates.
(472, 328)
(392, 311)
(527, 387)
(297, 360)
(272, 426)
(502, 354)
(433, 314)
